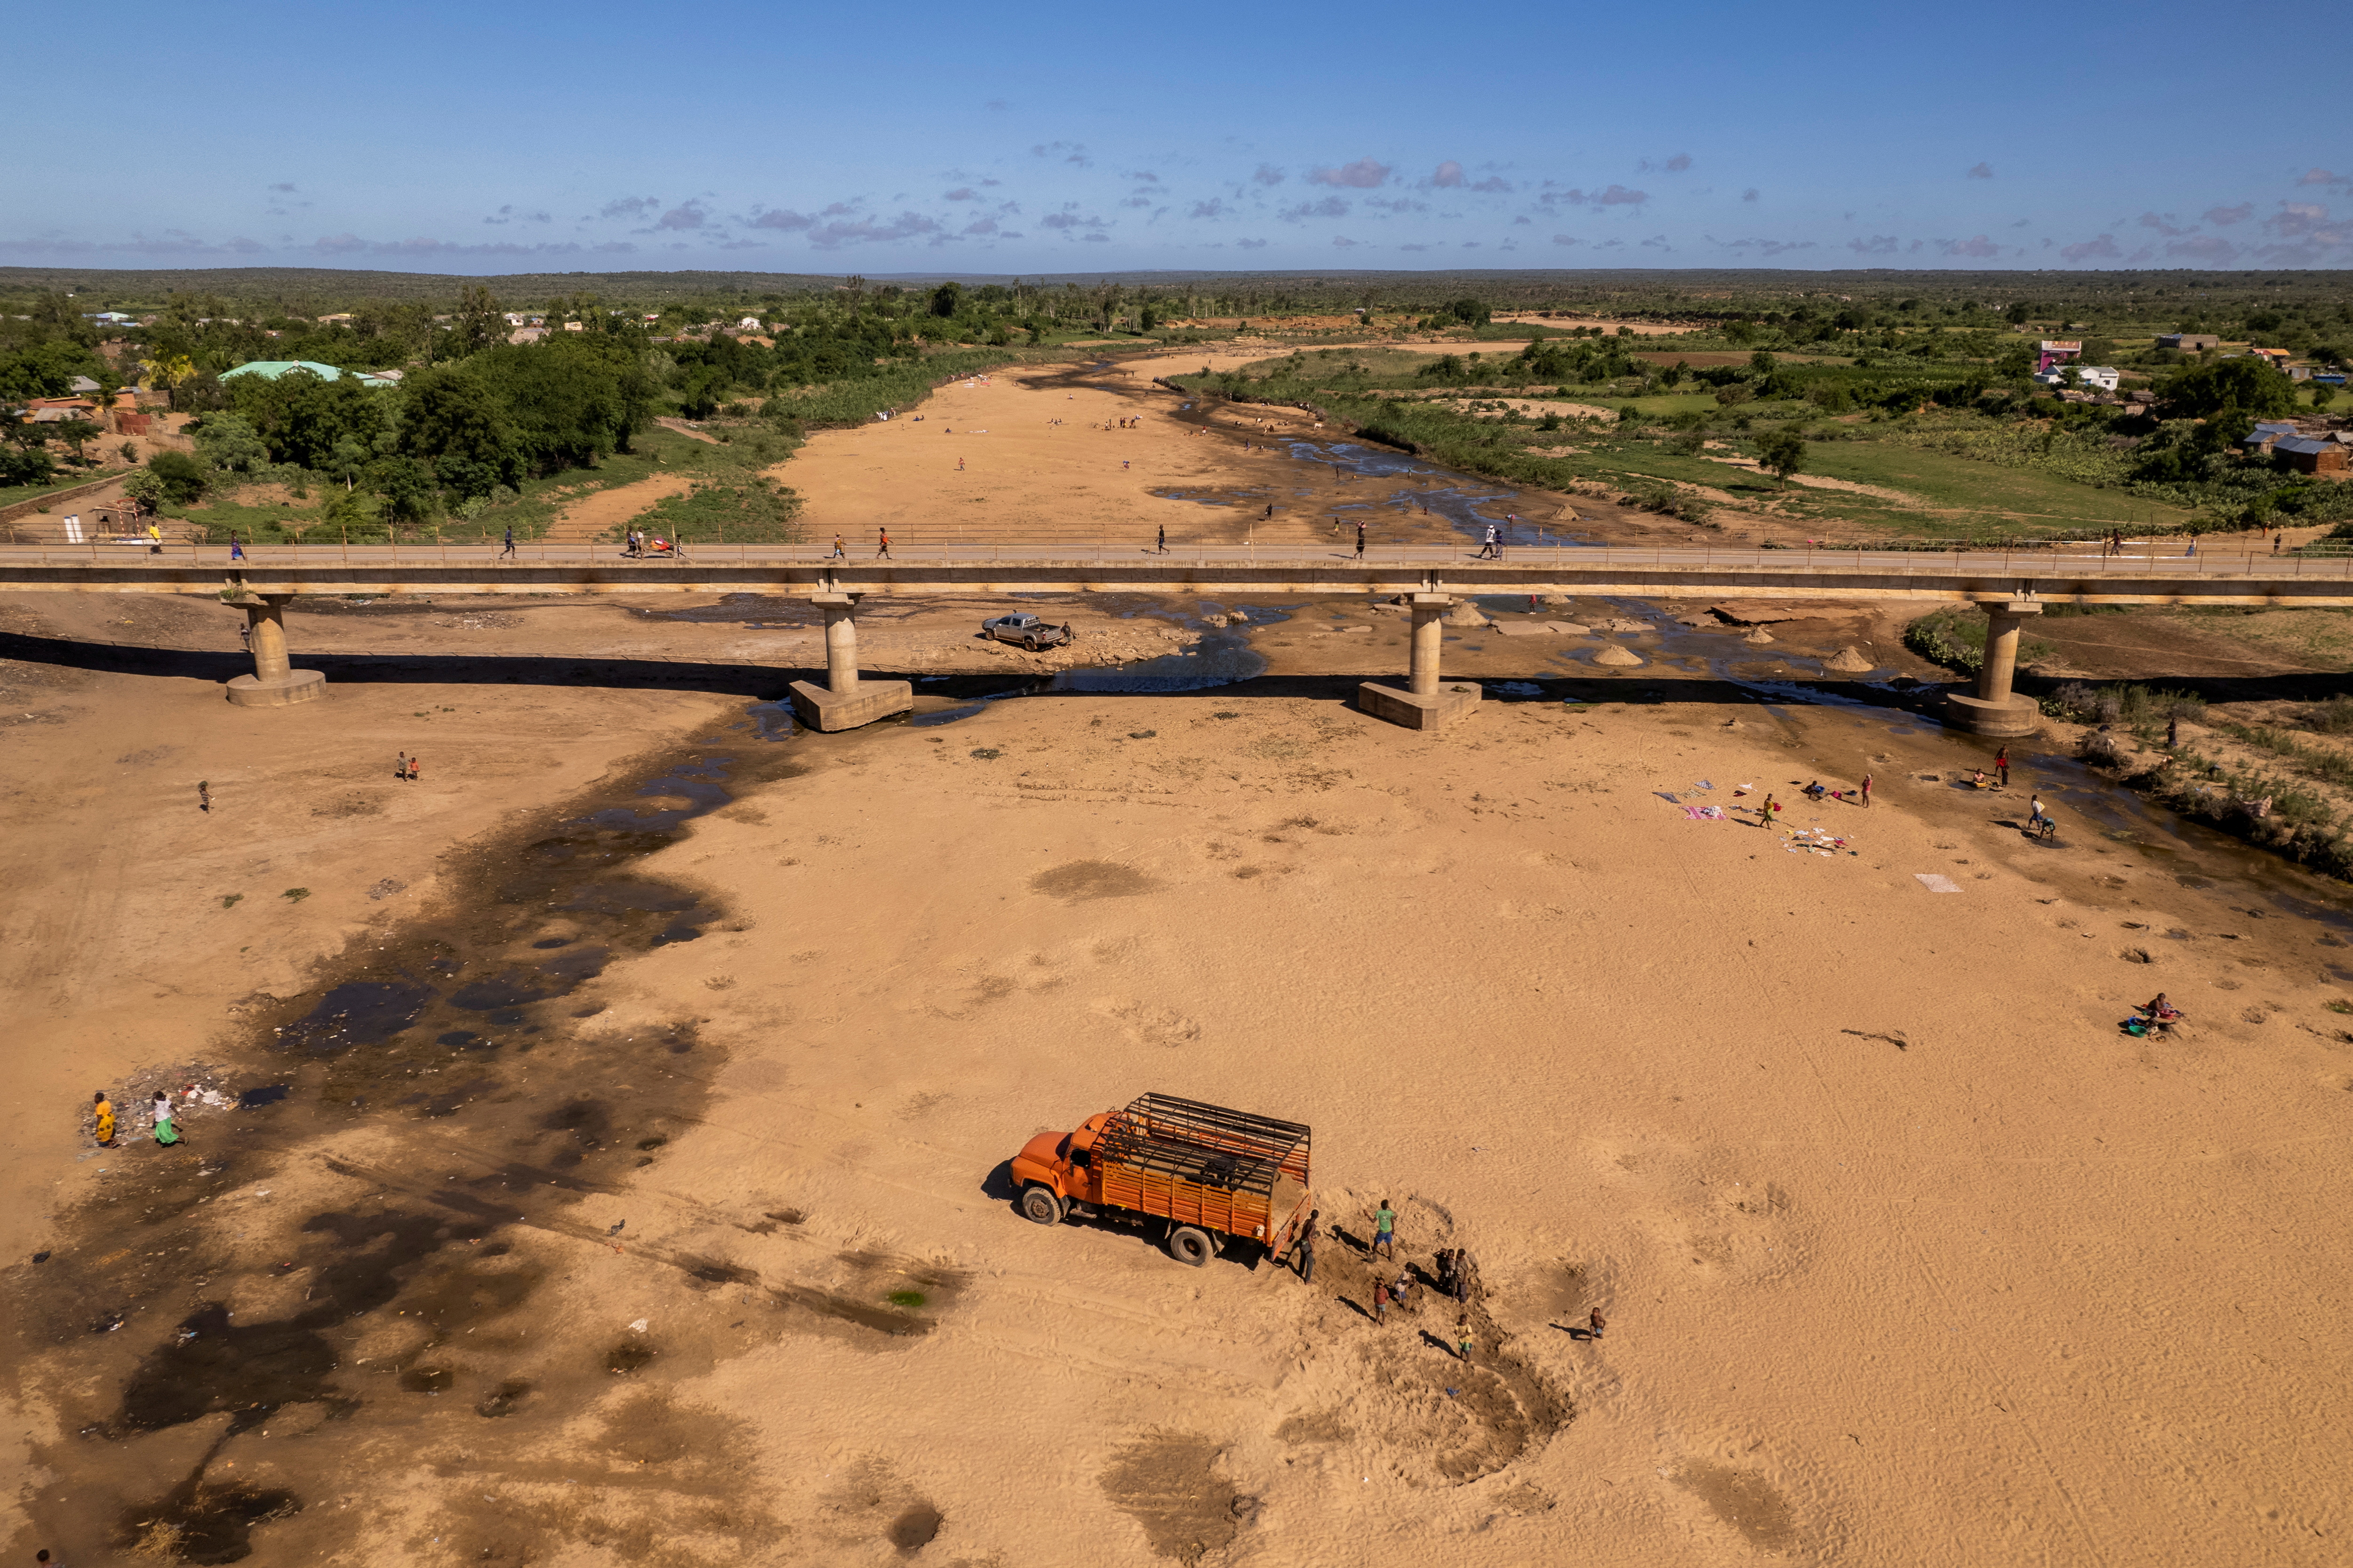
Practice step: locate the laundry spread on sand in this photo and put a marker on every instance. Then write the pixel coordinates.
(1936, 883)
(1704, 813)
(1669, 798)
(1702, 785)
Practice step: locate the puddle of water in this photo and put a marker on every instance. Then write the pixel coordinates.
(1470, 504)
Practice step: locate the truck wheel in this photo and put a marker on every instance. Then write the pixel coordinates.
(1041, 1204)
(1029, 643)
(1187, 1245)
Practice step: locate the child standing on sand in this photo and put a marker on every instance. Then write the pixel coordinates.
(1463, 1339)
(102, 1112)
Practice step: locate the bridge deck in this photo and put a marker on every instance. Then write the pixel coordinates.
(2217, 576)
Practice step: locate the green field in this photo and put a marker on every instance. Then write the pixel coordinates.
(1959, 496)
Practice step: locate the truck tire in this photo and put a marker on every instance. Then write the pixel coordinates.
(1029, 643)
(1187, 1245)
(1039, 1203)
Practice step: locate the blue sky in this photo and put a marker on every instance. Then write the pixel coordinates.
(925, 138)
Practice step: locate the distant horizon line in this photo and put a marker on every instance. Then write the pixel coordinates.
(52, 275)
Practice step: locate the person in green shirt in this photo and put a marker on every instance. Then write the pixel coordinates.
(1384, 1229)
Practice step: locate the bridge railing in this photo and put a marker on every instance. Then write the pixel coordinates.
(2213, 554)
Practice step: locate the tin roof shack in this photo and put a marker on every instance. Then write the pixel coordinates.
(2260, 440)
(2328, 454)
(2188, 343)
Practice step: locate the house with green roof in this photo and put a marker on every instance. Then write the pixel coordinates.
(272, 368)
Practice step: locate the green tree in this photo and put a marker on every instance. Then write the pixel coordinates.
(479, 322)
(1782, 450)
(182, 477)
(1470, 312)
(946, 298)
(456, 423)
(406, 487)
(229, 443)
(76, 434)
(145, 489)
(2243, 388)
(22, 464)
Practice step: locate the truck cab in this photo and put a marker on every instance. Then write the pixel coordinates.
(1063, 1162)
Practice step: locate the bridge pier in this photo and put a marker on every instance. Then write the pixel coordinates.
(846, 701)
(275, 682)
(1996, 710)
(1428, 702)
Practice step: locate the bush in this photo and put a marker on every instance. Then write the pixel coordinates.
(1734, 392)
(2334, 717)
(183, 478)
(25, 466)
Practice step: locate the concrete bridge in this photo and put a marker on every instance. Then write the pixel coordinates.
(2009, 586)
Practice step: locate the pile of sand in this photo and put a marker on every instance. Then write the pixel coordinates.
(1849, 660)
(1465, 614)
(1615, 655)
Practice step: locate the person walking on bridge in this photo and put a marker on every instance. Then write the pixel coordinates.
(839, 553)
(508, 554)
(1360, 539)
(883, 550)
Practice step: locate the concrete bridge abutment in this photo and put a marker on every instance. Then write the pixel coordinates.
(1996, 710)
(275, 682)
(1428, 702)
(847, 700)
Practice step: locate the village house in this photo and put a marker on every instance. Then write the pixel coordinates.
(2188, 343)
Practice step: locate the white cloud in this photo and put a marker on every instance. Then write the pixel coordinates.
(1362, 174)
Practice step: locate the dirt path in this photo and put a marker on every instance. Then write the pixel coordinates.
(684, 428)
(598, 515)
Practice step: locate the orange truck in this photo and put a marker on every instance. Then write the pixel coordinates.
(1204, 1172)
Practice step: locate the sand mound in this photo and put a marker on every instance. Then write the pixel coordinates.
(1850, 661)
(1614, 655)
(1759, 637)
(1463, 613)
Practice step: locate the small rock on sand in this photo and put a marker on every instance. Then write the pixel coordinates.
(1622, 624)
(1614, 655)
(1849, 660)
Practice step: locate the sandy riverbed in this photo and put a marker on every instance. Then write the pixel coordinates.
(1907, 1254)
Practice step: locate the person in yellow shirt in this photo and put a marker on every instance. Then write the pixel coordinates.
(155, 540)
(104, 1113)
